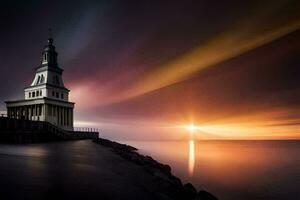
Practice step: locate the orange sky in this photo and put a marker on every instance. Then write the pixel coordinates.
(142, 71)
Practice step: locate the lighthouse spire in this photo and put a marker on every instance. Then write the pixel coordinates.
(49, 53)
(50, 38)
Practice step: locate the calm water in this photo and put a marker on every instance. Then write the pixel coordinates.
(230, 170)
(233, 170)
(75, 170)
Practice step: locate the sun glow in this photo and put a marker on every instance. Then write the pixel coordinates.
(192, 128)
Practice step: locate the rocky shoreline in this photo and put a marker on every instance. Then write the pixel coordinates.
(166, 186)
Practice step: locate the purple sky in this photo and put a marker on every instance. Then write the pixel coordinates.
(138, 69)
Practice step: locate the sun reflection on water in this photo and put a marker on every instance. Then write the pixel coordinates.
(191, 157)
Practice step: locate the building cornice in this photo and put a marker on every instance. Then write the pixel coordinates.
(44, 100)
(49, 67)
(46, 84)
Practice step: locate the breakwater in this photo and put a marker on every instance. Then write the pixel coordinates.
(165, 184)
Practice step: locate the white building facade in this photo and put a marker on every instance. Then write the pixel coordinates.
(46, 99)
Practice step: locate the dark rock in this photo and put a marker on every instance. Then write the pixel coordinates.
(166, 168)
(114, 145)
(162, 196)
(189, 187)
(190, 191)
(149, 158)
(176, 181)
(166, 185)
(149, 169)
(203, 195)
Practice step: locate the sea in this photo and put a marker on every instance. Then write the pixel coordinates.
(232, 170)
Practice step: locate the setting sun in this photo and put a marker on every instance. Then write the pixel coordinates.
(192, 128)
(177, 100)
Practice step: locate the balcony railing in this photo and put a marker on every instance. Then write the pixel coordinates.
(77, 129)
(86, 129)
(3, 115)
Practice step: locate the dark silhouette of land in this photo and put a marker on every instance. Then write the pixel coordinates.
(27, 131)
(83, 169)
(60, 165)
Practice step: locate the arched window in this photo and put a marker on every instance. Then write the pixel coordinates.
(38, 80)
(42, 79)
(29, 94)
(33, 94)
(45, 57)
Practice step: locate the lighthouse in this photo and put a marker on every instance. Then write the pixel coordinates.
(47, 98)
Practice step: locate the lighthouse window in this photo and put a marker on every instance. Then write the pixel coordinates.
(62, 95)
(42, 79)
(33, 94)
(38, 80)
(29, 94)
(40, 92)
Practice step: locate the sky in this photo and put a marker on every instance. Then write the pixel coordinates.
(143, 70)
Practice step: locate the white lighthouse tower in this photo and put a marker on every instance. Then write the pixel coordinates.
(47, 98)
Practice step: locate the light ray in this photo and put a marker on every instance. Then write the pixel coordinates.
(191, 157)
